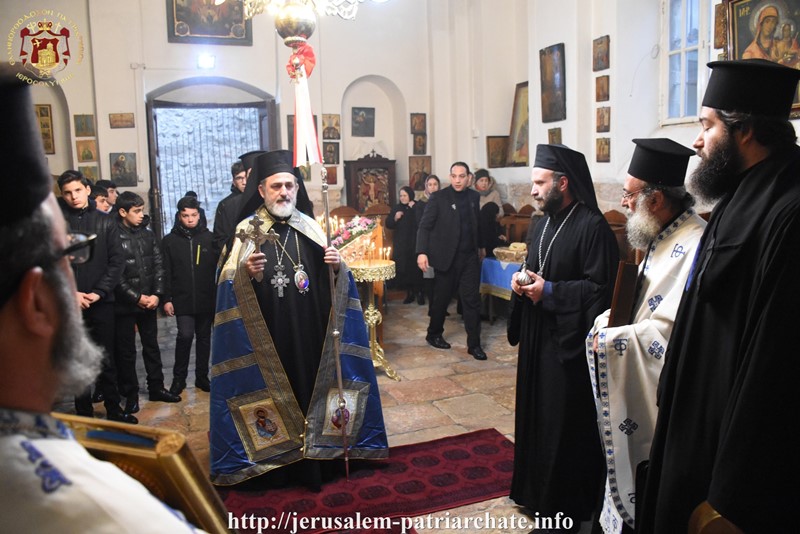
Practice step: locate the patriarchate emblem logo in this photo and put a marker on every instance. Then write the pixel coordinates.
(45, 48)
(46, 43)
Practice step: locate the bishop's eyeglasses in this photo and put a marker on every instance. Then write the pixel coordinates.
(628, 194)
(80, 249)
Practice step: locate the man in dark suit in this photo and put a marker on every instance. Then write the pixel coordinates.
(448, 240)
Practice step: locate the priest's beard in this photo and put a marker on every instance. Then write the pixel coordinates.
(642, 227)
(553, 200)
(281, 208)
(716, 174)
(75, 357)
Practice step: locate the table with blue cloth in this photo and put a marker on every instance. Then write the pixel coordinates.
(496, 280)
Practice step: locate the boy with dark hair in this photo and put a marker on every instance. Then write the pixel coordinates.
(200, 210)
(137, 299)
(190, 265)
(100, 196)
(111, 187)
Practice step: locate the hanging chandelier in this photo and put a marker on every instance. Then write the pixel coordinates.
(345, 9)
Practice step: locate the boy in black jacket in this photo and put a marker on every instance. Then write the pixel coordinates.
(137, 299)
(190, 265)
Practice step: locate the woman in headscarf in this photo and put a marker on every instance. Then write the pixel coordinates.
(491, 211)
(403, 220)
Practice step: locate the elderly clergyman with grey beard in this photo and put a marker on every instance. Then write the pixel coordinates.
(626, 361)
(50, 482)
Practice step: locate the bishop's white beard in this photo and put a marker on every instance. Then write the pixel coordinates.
(75, 356)
(642, 227)
(281, 209)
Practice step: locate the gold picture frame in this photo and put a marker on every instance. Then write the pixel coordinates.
(331, 126)
(121, 120)
(603, 149)
(330, 152)
(208, 23)
(496, 150)
(554, 136)
(720, 26)
(84, 125)
(601, 90)
(419, 168)
(553, 74)
(362, 122)
(87, 150)
(91, 172)
(331, 176)
(600, 53)
(419, 123)
(603, 123)
(517, 155)
(420, 144)
(160, 459)
(44, 116)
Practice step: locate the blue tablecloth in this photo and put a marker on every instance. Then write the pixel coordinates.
(496, 277)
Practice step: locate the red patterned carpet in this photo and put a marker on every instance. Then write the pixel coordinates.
(416, 479)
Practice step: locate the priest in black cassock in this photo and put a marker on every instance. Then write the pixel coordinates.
(274, 391)
(728, 404)
(572, 262)
(227, 214)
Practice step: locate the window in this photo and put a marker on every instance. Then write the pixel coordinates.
(687, 48)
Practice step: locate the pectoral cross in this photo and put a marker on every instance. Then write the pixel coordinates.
(279, 280)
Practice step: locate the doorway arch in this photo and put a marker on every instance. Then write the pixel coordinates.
(241, 117)
(392, 140)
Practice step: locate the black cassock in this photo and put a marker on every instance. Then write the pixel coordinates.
(558, 460)
(727, 428)
(404, 240)
(297, 323)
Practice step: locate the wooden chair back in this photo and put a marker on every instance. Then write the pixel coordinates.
(617, 221)
(516, 226)
(377, 210)
(527, 209)
(344, 212)
(508, 209)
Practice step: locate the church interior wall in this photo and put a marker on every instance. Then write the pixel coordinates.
(457, 61)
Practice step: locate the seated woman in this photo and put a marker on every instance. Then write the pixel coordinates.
(403, 220)
(491, 210)
(491, 230)
(485, 186)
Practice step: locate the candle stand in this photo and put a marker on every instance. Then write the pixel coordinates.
(371, 271)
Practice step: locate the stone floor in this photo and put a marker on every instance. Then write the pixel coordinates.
(441, 393)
